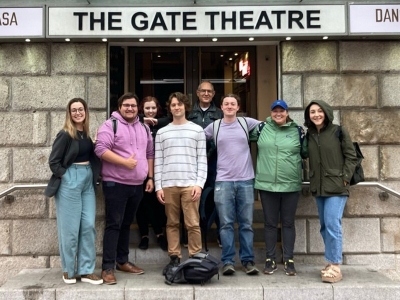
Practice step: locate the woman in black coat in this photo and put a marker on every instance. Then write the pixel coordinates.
(75, 170)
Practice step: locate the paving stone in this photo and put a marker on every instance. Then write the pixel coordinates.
(358, 283)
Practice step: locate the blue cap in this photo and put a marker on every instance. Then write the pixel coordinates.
(280, 103)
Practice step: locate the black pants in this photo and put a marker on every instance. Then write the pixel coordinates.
(122, 202)
(150, 211)
(279, 206)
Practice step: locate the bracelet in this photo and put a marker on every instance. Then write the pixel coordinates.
(148, 178)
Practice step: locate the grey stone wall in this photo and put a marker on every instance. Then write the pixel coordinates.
(36, 82)
(361, 80)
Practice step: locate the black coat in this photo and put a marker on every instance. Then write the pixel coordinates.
(64, 151)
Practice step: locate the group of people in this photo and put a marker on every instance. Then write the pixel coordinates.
(172, 159)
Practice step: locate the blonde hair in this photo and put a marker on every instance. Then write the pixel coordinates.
(69, 125)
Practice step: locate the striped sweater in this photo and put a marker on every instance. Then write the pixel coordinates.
(180, 156)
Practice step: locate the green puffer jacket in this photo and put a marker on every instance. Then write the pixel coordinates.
(278, 159)
(331, 161)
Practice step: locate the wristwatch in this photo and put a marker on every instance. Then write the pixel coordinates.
(148, 178)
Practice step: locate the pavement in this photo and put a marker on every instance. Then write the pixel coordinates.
(359, 282)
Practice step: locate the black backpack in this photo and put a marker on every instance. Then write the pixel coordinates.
(358, 175)
(200, 268)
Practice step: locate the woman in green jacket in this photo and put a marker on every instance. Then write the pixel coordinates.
(332, 160)
(278, 179)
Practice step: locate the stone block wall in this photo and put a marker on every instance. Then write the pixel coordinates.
(361, 80)
(36, 82)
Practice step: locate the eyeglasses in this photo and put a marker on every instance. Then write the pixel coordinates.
(126, 105)
(206, 91)
(75, 110)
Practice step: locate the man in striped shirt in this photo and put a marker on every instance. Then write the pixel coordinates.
(180, 173)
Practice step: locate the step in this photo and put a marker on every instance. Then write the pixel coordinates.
(155, 255)
(212, 234)
(359, 282)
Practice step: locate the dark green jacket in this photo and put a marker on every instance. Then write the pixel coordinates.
(331, 161)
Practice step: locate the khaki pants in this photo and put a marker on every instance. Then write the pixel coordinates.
(177, 198)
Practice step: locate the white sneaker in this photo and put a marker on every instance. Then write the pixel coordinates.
(68, 280)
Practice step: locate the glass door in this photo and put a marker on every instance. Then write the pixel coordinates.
(161, 71)
(229, 69)
(156, 72)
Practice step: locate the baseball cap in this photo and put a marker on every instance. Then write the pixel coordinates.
(280, 103)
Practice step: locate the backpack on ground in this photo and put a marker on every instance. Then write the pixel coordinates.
(200, 268)
(358, 175)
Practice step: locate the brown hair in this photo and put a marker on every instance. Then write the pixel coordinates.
(182, 98)
(149, 99)
(231, 95)
(126, 96)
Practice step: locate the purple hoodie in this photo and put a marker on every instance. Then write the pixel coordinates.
(128, 139)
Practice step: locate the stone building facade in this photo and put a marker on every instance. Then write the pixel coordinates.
(360, 79)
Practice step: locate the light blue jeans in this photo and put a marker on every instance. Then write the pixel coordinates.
(76, 212)
(234, 200)
(330, 210)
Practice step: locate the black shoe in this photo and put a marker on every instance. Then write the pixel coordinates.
(270, 266)
(162, 242)
(289, 267)
(174, 262)
(144, 243)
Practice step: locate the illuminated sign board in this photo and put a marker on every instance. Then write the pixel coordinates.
(196, 21)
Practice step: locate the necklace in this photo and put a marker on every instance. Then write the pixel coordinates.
(80, 134)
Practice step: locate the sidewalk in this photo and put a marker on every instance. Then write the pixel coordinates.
(359, 282)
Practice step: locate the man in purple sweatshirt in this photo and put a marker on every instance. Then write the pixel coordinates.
(125, 147)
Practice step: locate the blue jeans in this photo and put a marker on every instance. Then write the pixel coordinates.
(235, 201)
(330, 211)
(76, 211)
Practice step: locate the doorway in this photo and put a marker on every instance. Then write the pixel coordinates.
(161, 71)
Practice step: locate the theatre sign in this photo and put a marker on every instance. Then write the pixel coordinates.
(196, 21)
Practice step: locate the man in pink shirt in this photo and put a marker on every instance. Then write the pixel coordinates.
(125, 147)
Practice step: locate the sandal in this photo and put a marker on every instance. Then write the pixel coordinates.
(325, 269)
(332, 274)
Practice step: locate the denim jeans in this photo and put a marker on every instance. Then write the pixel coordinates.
(76, 211)
(122, 202)
(235, 201)
(279, 206)
(330, 211)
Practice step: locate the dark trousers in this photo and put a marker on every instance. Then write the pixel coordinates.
(281, 205)
(151, 211)
(122, 202)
